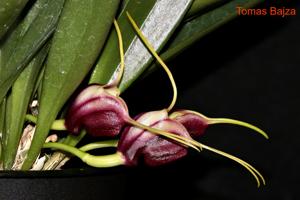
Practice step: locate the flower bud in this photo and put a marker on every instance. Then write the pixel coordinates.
(194, 123)
(98, 110)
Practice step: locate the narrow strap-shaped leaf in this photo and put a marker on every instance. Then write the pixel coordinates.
(2, 126)
(109, 58)
(10, 44)
(29, 42)
(124, 3)
(2, 116)
(16, 38)
(39, 85)
(199, 5)
(21, 93)
(7, 119)
(9, 11)
(1, 59)
(80, 35)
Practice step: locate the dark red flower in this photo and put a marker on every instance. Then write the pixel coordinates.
(136, 143)
(195, 124)
(98, 110)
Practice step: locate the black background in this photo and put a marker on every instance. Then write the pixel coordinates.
(249, 70)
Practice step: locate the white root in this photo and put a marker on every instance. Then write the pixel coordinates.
(34, 107)
(39, 163)
(24, 146)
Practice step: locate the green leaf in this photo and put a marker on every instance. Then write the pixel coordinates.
(200, 5)
(38, 85)
(23, 89)
(10, 44)
(2, 116)
(26, 40)
(7, 120)
(2, 126)
(9, 11)
(80, 35)
(110, 58)
(157, 23)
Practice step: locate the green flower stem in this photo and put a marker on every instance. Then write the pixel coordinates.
(73, 140)
(58, 157)
(101, 144)
(66, 148)
(104, 161)
(58, 125)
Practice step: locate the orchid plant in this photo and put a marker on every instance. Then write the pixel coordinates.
(61, 59)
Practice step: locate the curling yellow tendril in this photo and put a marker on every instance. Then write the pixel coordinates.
(161, 62)
(120, 72)
(256, 174)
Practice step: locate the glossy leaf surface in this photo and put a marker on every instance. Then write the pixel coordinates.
(26, 40)
(10, 10)
(23, 88)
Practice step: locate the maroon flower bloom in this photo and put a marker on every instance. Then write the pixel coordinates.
(196, 123)
(99, 110)
(148, 138)
(136, 143)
